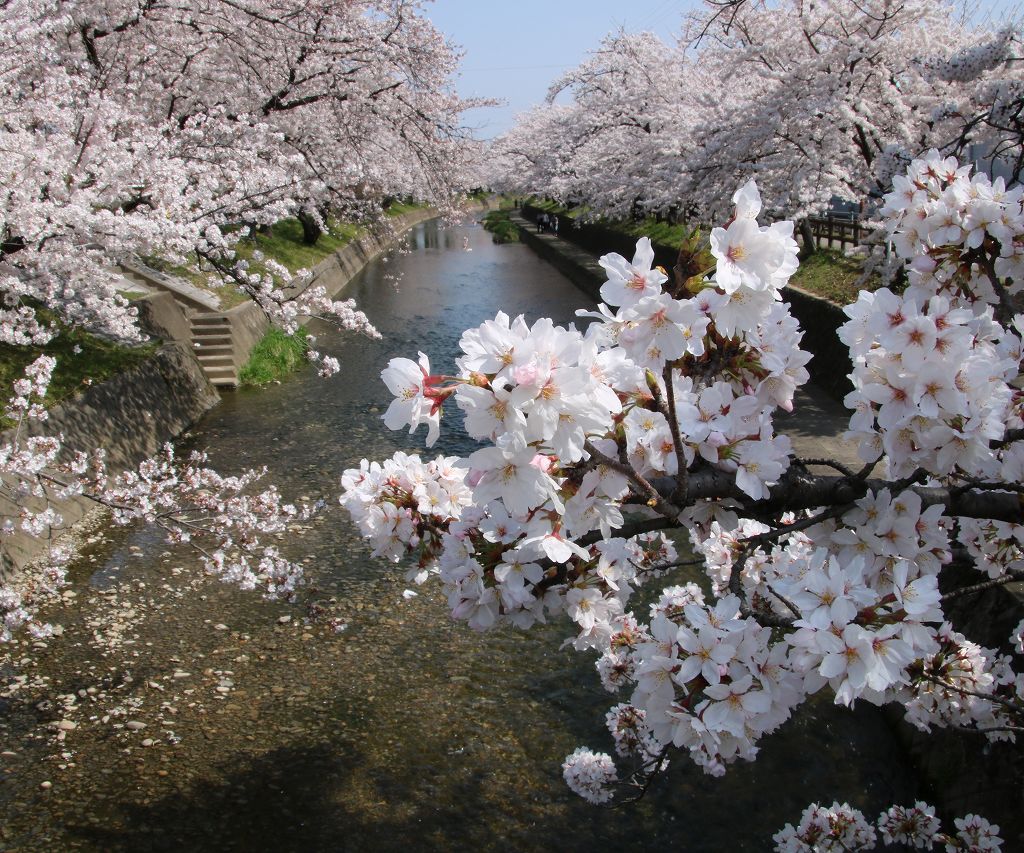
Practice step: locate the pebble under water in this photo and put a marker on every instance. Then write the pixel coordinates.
(179, 714)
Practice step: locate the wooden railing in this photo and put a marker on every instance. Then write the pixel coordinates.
(836, 232)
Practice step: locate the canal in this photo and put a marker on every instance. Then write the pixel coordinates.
(178, 714)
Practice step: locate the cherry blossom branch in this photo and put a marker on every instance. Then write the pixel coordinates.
(1011, 576)
(826, 463)
(654, 498)
(681, 492)
(1016, 707)
(800, 490)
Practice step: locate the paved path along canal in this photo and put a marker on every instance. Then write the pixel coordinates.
(179, 714)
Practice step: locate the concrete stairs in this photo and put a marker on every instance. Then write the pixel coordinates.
(210, 329)
(214, 348)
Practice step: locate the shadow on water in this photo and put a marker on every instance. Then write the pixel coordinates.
(302, 798)
(282, 800)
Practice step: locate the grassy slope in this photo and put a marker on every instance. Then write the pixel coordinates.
(832, 275)
(285, 244)
(276, 355)
(97, 360)
(499, 223)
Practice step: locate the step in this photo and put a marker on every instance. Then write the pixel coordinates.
(212, 340)
(213, 349)
(210, 361)
(222, 375)
(209, 320)
(224, 382)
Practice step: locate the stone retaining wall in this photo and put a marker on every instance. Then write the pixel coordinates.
(577, 265)
(130, 415)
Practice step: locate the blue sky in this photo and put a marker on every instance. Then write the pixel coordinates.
(515, 48)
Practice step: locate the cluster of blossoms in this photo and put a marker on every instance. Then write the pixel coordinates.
(660, 415)
(225, 517)
(841, 828)
(932, 367)
(191, 501)
(30, 391)
(403, 503)
(970, 62)
(589, 774)
(580, 422)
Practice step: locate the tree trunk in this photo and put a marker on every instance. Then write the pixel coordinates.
(807, 234)
(311, 230)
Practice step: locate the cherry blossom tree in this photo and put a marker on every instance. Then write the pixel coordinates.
(659, 416)
(629, 112)
(835, 97)
(813, 100)
(142, 127)
(145, 127)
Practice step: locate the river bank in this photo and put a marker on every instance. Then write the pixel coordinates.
(132, 414)
(223, 340)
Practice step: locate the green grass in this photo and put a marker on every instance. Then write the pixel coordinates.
(284, 244)
(274, 357)
(397, 208)
(830, 274)
(660, 232)
(98, 359)
(502, 229)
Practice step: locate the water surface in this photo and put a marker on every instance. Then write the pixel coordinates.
(406, 731)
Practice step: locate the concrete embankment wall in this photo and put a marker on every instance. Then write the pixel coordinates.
(336, 271)
(130, 416)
